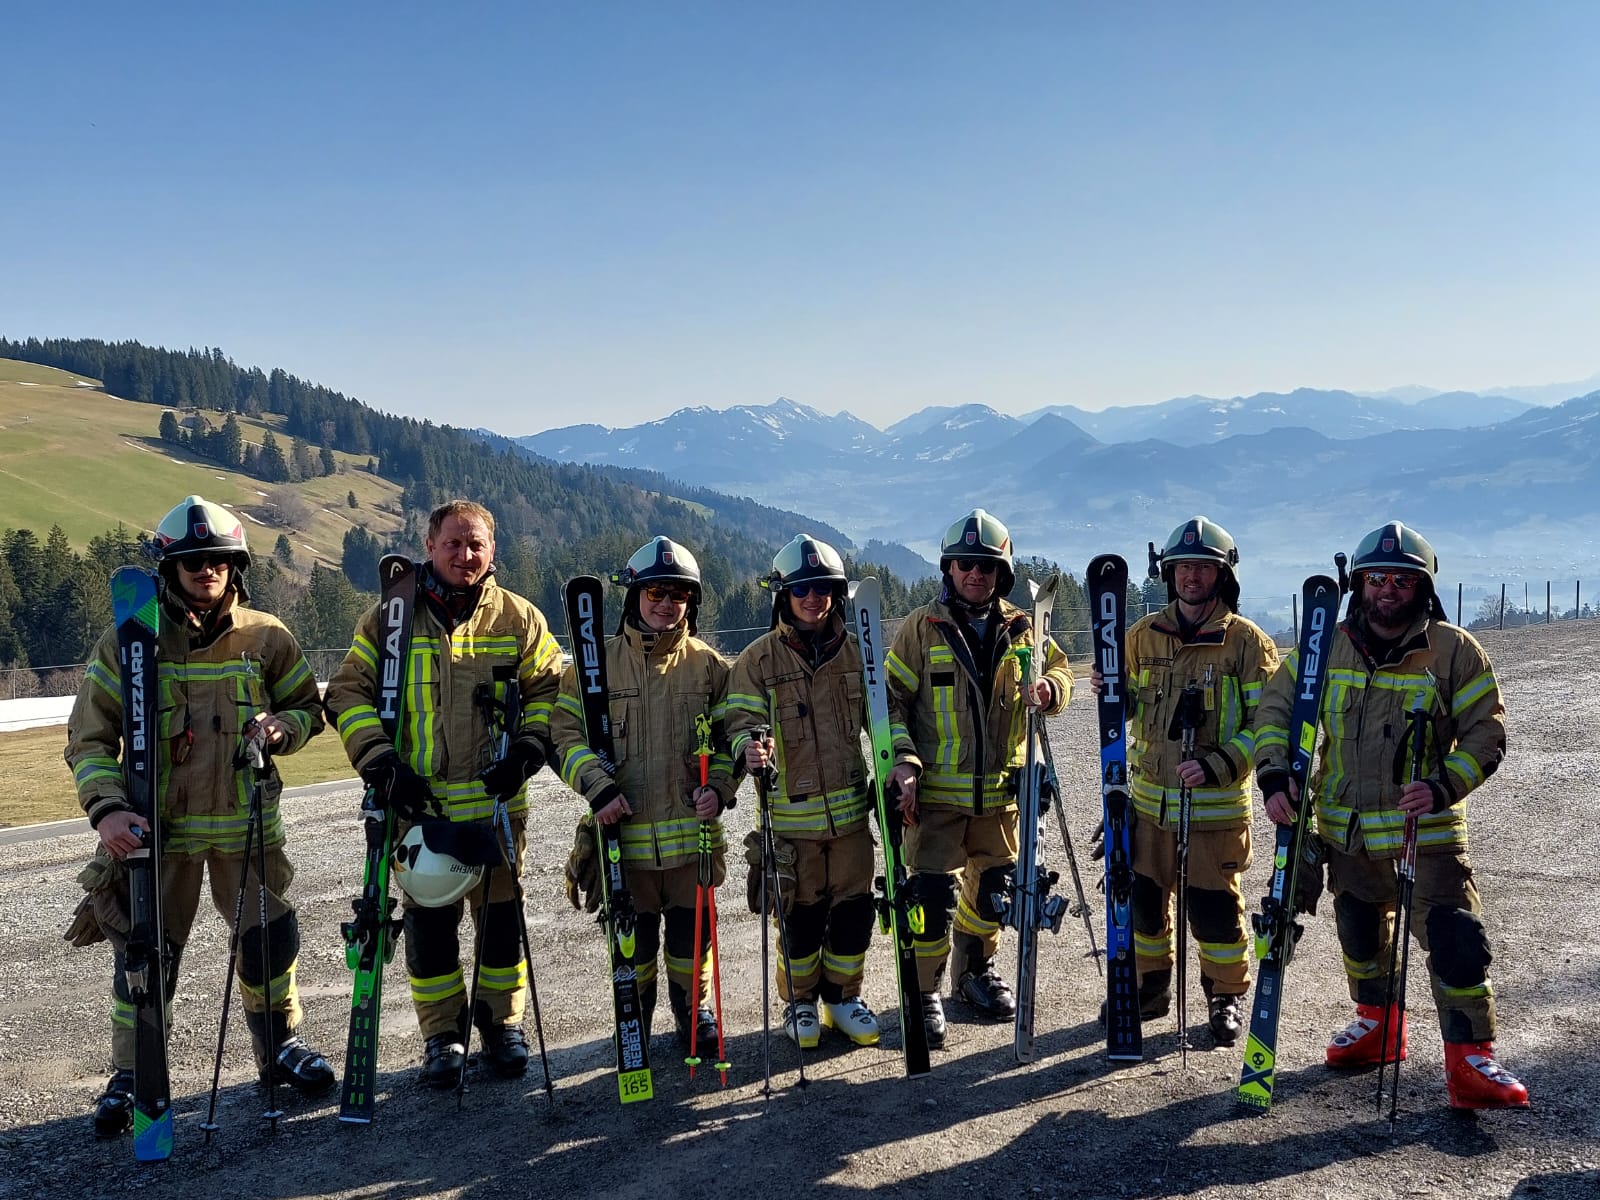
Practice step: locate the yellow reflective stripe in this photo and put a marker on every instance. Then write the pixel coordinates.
(1476, 991)
(1365, 969)
(107, 679)
(970, 920)
(1221, 953)
(434, 988)
(843, 964)
(935, 949)
(504, 979)
(1148, 946)
(1271, 737)
(898, 668)
(1210, 805)
(96, 767)
(292, 681)
(259, 999)
(1459, 762)
(355, 719)
(122, 1012)
(1475, 690)
(363, 649)
(645, 972)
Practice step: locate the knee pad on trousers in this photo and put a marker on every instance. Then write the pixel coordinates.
(850, 924)
(1214, 915)
(502, 935)
(647, 937)
(1149, 905)
(936, 892)
(431, 945)
(1360, 924)
(119, 975)
(283, 947)
(679, 935)
(992, 882)
(807, 927)
(1458, 947)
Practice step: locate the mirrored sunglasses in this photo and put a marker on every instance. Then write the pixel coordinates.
(195, 563)
(985, 566)
(801, 590)
(1403, 581)
(656, 593)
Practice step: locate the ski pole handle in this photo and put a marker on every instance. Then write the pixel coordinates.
(702, 730)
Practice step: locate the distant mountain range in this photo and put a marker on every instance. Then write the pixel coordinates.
(1504, 488)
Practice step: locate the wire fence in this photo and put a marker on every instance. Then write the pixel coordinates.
(1476, 606)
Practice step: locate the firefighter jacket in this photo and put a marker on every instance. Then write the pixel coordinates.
(817, 712)
(966, 744)
(445, 734)
(1364, 719)
(1228, 660)
(210, 682)
(658, 684)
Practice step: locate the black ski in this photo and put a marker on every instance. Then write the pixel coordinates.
(1108, 614)
(899, 915)
(147, 959)
(1276, 929)
(370, 937)
(585, 621)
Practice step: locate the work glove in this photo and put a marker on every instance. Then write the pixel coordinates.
(398, 789)
(523, 758)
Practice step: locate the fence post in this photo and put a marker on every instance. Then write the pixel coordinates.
(1502, 606)
(1294, 618)
(1577, 594)
(1547, 602)
(1458, 606)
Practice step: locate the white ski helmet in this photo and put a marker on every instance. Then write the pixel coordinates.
(431, 877)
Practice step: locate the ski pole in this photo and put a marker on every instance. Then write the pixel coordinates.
(1405, 886)
(1186, 718)
(258, 754)
(1080, 908)
(252, 825)
(706, 898)
(765, 781)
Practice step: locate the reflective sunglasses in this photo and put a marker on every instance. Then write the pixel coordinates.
(1403, 581)
(656, 593)
(801, 590)
(984, 566)
(195, 563)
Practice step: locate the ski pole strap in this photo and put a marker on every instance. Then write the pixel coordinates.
(1187, 716)
(702, 733)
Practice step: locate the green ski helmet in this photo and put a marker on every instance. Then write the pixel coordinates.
(197, 526)
(979, 535)
(1200, 539)
(660, 560)
(1395, 546)
(805, 559)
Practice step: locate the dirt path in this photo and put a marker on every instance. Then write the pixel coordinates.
(979, 1127)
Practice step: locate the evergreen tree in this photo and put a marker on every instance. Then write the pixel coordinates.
(328, 611)
(326, 461)
(301, 464)
(232, 452)
(272, 467)
(170, 429)
(360, 560)
(284, 550)
(350, 499)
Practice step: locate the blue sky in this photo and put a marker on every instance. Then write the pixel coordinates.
(527, 215)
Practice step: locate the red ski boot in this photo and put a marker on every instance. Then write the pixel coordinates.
(1357, 1044)
(1475, 1080)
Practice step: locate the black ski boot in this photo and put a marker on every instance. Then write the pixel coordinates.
(1155, 994)
(113, 1112)
(933, 1019)
(444, 1058)
(704, 1020)
(505, 1049)
(979, 984)
(283, 1056)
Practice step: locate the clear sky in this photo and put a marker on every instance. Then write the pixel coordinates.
(523, 215)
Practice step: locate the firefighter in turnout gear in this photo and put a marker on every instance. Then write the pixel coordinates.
(221, 667)
(444, 773)
(957, 711)
(803, 681)
(1393, 654)
(661, 678)
(1198, 663)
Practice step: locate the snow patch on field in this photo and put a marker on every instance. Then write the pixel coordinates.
(257, 521)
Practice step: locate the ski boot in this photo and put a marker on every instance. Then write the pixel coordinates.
(979, 984)
(933, 1019)
(853, 1018)
(505, 1049)
(1155, 995)
(1224, 1020)
(113, 1112)
(1475, 1080)
(800, 1023)
(705, 1022)
(283, 1058)
(1359, 1044)
(444, 1058)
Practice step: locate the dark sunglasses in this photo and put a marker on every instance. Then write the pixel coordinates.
(195, 563)
(1403, 581)
(655, 593)
(801, 590)
(985, 566)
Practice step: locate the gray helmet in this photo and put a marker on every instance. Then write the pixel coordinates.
(197, 526)
(1200, 539)
(805, 559)
(660, 560)
(1395, 546)
(980, 535)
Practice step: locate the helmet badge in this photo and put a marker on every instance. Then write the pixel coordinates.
(811, 559)
(1388, 545)
(1188, 537)
(666, 558)
(201, 529)
(971, 537)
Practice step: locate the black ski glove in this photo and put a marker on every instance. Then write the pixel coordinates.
(523, 758)
(1273, 782)
(399, 789)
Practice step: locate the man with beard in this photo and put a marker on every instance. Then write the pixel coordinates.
(1196, 660)
(957, 710)
(1393, 654)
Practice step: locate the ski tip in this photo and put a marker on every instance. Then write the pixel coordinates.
(153, 1141)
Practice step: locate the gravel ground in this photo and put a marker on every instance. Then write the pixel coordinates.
(980, 1126)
